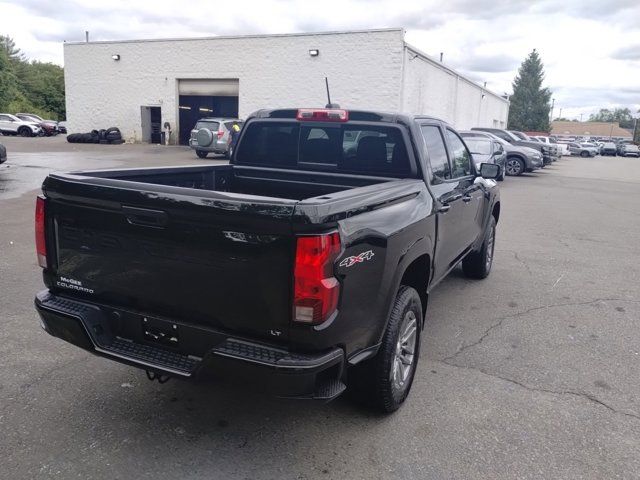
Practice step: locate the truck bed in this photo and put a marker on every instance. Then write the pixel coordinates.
(254, 181)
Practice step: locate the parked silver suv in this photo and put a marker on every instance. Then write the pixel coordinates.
(212, 135)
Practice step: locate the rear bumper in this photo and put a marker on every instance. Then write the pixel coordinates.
(201, 353)
(217, 146)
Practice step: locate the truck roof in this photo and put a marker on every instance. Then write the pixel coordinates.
(357, 115)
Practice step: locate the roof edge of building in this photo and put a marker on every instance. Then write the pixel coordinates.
(441, 65)
(228, 37)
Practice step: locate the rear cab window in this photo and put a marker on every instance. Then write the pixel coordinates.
(326, 146)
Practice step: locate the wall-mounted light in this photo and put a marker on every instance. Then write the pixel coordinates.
(115, 57)
(314, 52)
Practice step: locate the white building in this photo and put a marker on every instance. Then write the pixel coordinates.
(139, 85)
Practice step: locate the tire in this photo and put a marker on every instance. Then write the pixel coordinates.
(25, 132)
(584, 154)
(478, 264)
(514, 167)
(202, 153)
(502, 174)
(381, 381)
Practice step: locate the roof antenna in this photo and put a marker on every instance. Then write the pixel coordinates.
(329, 105)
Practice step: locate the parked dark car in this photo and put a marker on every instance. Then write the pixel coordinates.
(630, 150)
(485, 150)
(507, 136)
(608, 148)
(49, 127)
(519, 159)
(302, 266)
(3, 153)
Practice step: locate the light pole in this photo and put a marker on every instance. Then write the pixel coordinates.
(553, 103)
(560, 115)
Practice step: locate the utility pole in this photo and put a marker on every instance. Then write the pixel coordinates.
(580, 117)
(553, 103)
(560, 115)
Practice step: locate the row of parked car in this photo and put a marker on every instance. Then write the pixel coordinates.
(29, 125)
(515, 152)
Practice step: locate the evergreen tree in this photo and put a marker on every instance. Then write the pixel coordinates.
(530, 102)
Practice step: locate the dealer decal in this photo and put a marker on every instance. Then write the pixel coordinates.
(351, 261)
(72, 284)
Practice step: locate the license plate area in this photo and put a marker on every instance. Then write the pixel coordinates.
(160, 332)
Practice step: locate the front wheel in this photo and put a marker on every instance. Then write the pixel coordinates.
(201, 153)
(584, 154)
(514, 167)
(25, 132)
(385, 380)
(478, 264)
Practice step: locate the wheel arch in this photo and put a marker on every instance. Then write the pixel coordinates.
(416, 275)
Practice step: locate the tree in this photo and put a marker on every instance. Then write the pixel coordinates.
(621, 116)
(33, 87)
(530, 102)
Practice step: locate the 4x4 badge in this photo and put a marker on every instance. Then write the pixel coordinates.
(350, 261)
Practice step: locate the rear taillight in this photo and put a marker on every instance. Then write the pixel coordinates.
(41, 248)
(220, 134)
(316, 289)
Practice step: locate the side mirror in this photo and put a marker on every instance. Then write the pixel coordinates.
(489, 171)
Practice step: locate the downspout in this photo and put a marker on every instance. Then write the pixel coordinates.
(402, 73)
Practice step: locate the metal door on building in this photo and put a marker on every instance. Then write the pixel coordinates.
(199, 98)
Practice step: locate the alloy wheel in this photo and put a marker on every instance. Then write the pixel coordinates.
(405, 351)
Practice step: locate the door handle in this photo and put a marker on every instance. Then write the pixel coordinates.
(467, 198)
(444, 208)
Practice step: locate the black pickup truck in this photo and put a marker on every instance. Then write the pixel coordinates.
(301, 267)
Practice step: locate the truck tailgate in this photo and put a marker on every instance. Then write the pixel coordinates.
(205, 258)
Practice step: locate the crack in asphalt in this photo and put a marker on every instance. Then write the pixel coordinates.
(588, 396)
(498, 324)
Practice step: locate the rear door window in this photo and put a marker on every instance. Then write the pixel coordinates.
(460, 158)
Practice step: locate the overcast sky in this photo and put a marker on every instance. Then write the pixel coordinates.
(590, 48)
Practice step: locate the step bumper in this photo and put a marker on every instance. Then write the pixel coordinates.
(256, 365)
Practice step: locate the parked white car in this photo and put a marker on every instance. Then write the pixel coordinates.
(14, 126)
(561, 148)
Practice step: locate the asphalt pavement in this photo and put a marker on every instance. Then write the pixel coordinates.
(531, 373)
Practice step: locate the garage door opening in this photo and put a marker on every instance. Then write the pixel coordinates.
(201, 98)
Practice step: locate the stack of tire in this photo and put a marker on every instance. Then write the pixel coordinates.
(110, 136)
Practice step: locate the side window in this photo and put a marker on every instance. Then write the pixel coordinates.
(437, 153)
(460, 158)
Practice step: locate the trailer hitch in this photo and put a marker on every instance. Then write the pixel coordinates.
(155, 376)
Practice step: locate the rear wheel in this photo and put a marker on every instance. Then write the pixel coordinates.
(384, 381)
(478, 264)
(25, 132)
(514, 167)
(201, 153)
(584, 154)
